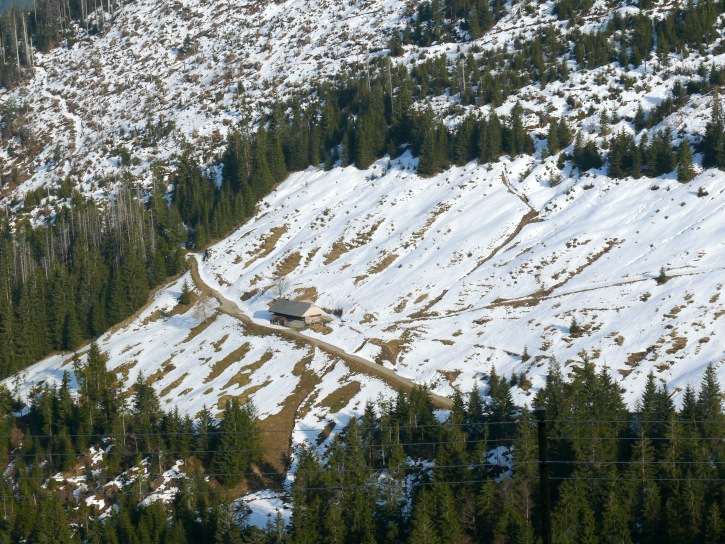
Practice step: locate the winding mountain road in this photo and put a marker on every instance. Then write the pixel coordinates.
(356, 363)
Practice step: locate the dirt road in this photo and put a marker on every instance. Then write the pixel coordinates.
(356, 363)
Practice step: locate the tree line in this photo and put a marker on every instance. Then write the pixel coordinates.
(59, 427)
(395, 474)
(71, 278)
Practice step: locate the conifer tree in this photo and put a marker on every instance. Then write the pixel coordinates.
(639, 119)
(552, 138)
(185, 296)
(714, 141)
(423, 527)
(239, 443)
(685, 169)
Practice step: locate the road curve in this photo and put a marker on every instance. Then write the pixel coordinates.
(355, 362)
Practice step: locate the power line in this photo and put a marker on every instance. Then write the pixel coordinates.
(190, 451)
(288, 494)
(329, 471)
(216, 432)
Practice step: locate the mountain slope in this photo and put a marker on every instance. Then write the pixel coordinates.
(439, 278)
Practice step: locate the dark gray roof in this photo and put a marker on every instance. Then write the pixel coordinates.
(295, 308)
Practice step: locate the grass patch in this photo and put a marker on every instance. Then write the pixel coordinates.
(221, 365)
(124, 369)
(340, 247)
(635, 358)
(308, 293)
(201, 327)
(160, 373)
(311, 255)
(340, 398)
(320, 328)
(242, 378)
(218, 344)
(153, 316)
(173, 385)
(678, 343)
(288, 264)
(267, 245)
(382, 264)
(243, 398)
(285, 419)
(421, 298)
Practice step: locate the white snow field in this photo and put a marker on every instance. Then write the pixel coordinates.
(442, 278)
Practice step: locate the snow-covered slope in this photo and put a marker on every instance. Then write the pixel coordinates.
(165, 73)
(441, 278)
(198, 356)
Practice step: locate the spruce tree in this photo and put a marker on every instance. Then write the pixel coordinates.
(185, 296)
(239, 443)
(552, 138)
(685, 168)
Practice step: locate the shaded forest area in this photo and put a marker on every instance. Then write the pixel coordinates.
(397, 474)
(87, 269)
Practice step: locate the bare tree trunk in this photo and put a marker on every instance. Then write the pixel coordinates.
(17, 45)
(28, 51)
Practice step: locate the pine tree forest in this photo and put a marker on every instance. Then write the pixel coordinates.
(402, 472)
(398, 473)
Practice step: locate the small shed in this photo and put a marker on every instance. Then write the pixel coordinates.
(295, 313)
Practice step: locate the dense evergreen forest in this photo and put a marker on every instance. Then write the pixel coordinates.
(91, 266)
(82, 272)
(395, 474)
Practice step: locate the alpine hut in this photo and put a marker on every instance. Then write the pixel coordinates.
(295, 313)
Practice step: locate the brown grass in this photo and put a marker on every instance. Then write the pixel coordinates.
(450, 375)
(390, 350)
(288, 264)
(243, 377)
(438, 210)
(173, 385)
(320, 328)
(308, 293)
(218, 344)
(285, 419)
(311, 255)
(340, 246)
(341, 397)
(678, 343)
(160, 373)
(201, 327)
(635, 358)
(383, 263)
(152, 317)
(221, 365)
(124, 369)
(243, 398)
(267, 245)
